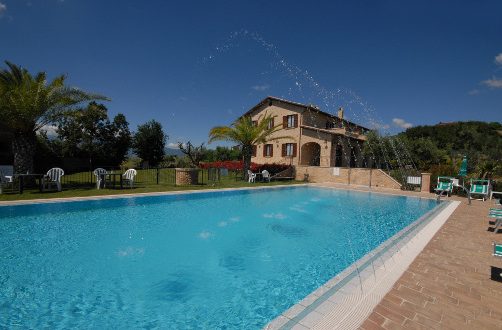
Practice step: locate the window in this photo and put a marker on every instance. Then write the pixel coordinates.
(289, 150)
(290, 121)
(270, 123)
(255, 123)
(268, 150)
(253, 151)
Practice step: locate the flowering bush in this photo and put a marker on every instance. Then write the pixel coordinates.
(231, 165)
(237, 165)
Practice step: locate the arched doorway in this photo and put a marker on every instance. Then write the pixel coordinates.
(339, 155)
(311, 154)
(353, 157)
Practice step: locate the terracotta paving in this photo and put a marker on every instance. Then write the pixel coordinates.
(448, 285)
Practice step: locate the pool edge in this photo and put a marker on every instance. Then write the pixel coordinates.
(135, 195)
(354, 298)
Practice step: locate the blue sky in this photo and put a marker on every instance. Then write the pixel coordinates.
(193, 65)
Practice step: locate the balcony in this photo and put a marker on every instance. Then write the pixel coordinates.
(338, 131)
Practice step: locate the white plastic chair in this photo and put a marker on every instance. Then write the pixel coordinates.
(7, 172)
(4, 182)
(99, 173)
(252, 176)
(128, 177)
(265, 175)
(53, 177)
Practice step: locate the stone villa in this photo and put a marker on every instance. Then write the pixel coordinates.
(312, 137)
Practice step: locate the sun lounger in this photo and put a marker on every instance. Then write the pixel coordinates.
(496, 215)
(444, 185)
(480, 187)
(497, 250)
(496, 272)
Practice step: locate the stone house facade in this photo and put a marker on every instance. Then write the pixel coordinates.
(308, 136)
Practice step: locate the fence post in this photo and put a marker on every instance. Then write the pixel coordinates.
(157, 175)
(426, 182)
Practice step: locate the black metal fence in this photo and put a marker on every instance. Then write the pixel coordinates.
(152, 176)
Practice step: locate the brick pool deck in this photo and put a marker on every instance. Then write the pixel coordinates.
(448, 285)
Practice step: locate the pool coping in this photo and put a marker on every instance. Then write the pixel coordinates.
(382, 191)
(346, 300)
(134, 195)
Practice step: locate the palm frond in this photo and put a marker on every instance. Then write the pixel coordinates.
(29, 102)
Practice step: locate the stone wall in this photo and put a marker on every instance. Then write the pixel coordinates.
(187, 176)
(353, 176)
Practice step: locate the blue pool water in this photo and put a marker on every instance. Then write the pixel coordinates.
(222, 260)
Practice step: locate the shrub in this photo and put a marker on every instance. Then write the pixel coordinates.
(237, 165)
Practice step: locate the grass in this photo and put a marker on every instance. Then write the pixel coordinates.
(88, 190)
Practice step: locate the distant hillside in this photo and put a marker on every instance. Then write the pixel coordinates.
(472, 138)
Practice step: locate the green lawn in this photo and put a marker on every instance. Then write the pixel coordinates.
(141, 187)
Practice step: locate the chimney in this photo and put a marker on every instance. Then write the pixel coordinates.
(340, 113)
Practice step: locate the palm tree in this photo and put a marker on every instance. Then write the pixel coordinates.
(246, 133)
(28, 103)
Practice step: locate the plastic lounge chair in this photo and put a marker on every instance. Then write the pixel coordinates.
(100, 179)
(496, 214)
(265, 175)
(252, 176)
(496, 273)
(129, 176)
(497, 250)
(480, 187)
(498, 223)
(53, 177)
(444, 185)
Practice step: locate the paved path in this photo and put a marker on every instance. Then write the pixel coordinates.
(448, 285)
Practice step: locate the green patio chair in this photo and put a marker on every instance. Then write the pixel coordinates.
(496, 215)
(480, 187)
(444, 185)
(497, 250)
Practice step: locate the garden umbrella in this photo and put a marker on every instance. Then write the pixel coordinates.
(463, 168)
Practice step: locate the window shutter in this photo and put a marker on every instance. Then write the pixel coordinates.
(271, 150)
(254, 151)
(284, 121)
(296, 120)
(283, 149)
(294, 149)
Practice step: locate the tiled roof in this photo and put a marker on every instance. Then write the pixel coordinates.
(311, 107)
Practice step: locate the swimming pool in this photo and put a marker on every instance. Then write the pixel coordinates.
(226, 259)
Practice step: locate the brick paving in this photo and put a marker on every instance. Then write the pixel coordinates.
(448, 285)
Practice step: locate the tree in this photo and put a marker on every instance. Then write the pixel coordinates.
(149, 142)
(221, 154)
(194, 154)
(89, 133)
(246, 134)
(28, 103)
